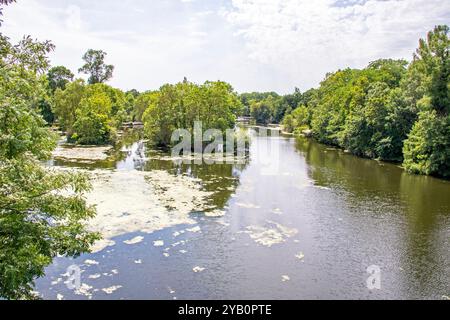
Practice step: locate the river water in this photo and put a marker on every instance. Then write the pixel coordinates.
(301, 221)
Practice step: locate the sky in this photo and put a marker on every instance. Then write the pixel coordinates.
(256, 45)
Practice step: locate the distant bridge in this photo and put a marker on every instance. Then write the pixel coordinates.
(245, 119)
(132, 125)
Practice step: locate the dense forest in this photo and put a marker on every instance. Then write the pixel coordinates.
(390, 110)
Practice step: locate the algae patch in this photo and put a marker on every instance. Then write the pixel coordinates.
(133, 201)
(248, 205)
(73, 153)
(158, 243)
(270, 235)
(135, 240)
(198, 269)
(300, 256)
(111, 290)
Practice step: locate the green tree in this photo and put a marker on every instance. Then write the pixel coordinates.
(42, 212)
(264, 111)
(433, 61)
(178, 106)
(297, 121)
(59, 77)
(142, 102)
(427, 150)
(365, 131)
(118, 112)
(95, 67)
(65, 104)
(286, 104)
(351, 107)
(92, 125)
(247, 99)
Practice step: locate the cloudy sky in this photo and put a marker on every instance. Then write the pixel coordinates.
(260, 45)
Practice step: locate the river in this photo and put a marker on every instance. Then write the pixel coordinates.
(298, 220)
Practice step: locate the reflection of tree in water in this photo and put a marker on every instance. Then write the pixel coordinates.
(428, 238)
(132, 153)
(220, 178)
(422, 201)
(115, 155)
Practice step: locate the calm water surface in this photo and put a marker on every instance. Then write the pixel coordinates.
(349, 214)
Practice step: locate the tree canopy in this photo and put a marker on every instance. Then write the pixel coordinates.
(390, 110)
(59, 77)
(42, 212)
(95, 67)
(178, 106)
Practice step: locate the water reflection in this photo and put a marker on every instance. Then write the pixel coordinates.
(342, 213)
(411, 213)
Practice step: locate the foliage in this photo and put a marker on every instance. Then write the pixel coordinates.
(90, 114)
(142, 102)
(59, 77)
(42, 212)
(96, 67)
(297, 120)
(66, 103)
(427, 150)
(269, 106)
(374, 112)
(262, 111)
(178, 106)
(248, 98)
(4, 3)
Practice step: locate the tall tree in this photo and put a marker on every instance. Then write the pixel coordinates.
(427, 149)
(95, 67)
(59, 77)
(65, 104)
(433, 60)
(42, 212)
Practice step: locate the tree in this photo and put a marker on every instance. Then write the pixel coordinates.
(118, 111)
(92, 125)
(433, 61)
(365, 131)
(42, 212)
(261, 112)
(59, 77)
(95, 67)
(247, 99)
(178, 106)
(65, 104)
(90, 114)
(286, 104)
(142, 102)
(297, 120)
(427, 150)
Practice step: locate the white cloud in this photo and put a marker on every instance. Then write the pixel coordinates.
(148, 47)
(255, 45)
(305, 39)
(74, 21)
